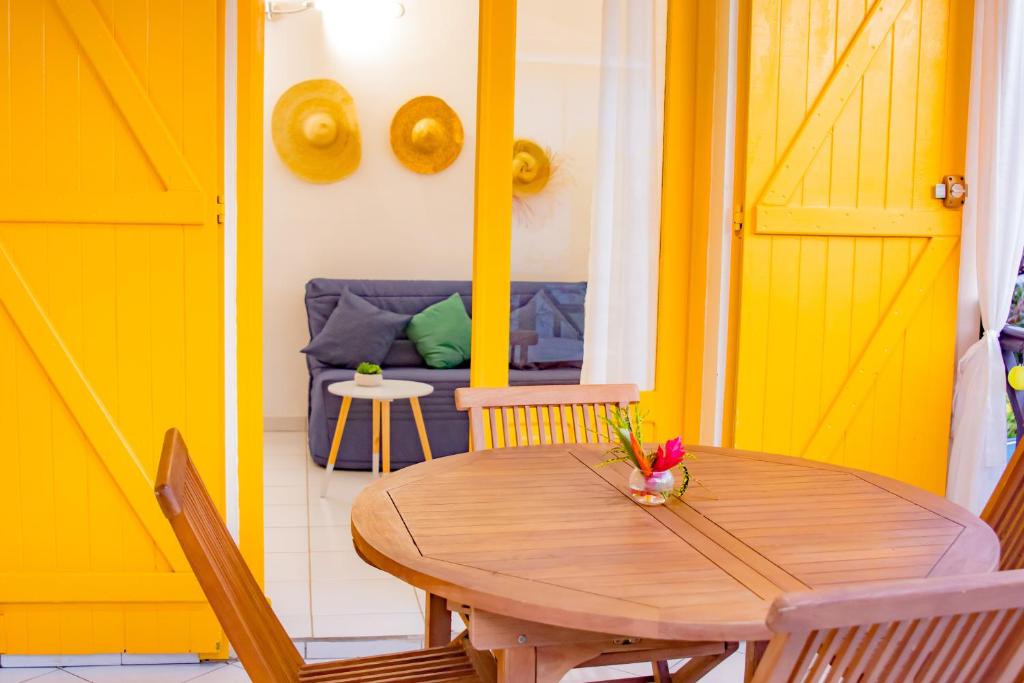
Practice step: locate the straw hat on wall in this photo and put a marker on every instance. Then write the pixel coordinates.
(531, 167)
(316, 130)
(426, 134)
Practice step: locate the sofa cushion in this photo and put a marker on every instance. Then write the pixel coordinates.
(559, 333)
(442, 333)
(356, 331)
(403, 354)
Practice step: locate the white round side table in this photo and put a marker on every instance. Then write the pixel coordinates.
(382, 396)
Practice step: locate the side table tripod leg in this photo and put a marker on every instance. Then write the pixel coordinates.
(417, 415)
(339, 430)
(376, 438)
(385, 435)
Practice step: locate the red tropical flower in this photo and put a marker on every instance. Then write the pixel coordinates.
(669, 455)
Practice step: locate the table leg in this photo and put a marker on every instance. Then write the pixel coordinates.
(346, 402)
(517, 665)
(438, 631)
(417, 415)
(698, 667)
(754, 655)
(385, 434)
(376, 438)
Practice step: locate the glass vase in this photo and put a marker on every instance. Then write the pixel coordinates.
(651, 490)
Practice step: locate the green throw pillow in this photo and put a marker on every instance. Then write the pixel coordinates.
(441, 333)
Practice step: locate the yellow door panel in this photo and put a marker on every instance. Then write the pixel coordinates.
(848, 278)
(111, 325)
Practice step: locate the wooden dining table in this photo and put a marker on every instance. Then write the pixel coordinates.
(554, 566)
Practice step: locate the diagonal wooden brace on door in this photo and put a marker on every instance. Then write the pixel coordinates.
(87, 408)
(848, 71)
(184, 202)
(831, 428)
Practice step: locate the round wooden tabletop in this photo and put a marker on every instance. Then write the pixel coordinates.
(542, 534)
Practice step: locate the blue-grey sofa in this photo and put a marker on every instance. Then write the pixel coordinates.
(556, 357)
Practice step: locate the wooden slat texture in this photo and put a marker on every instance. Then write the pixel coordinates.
(948, 630)
(256, 634)
(546, 534)
(846, 307)
(1005, 512)
(568, 413)
(111, 259)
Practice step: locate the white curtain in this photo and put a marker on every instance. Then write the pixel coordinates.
(995, 213)
(622, 283)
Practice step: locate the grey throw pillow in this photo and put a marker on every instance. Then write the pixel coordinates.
(356, 332)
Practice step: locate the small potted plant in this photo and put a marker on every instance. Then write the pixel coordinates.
(369, 375)
(652, 481)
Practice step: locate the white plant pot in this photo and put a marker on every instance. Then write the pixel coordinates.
(369, 380)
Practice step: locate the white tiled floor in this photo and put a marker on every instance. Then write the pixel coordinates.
(316, 582)
(334, 604)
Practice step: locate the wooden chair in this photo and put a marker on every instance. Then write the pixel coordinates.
(967, 629)
(259, 639)
(536, 415)
(1004, 512)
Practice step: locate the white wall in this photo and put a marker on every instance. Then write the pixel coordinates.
(558, 75)
(383, 221)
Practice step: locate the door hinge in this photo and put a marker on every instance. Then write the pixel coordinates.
(952, 191)
(737, 221)
(220, 209)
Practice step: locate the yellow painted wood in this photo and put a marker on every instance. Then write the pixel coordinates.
(88, 410)
(866, 372)
(492, 231)
(673, 406)
(856, 222)
(846, 74)
(249, 282)
(421, 428)
(111, 327)
(124, 86)
(178, 207)
(846, 302)
(674, 403)
(84, 587)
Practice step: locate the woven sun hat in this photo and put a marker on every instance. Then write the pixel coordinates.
(316, 131)
(531, 167)
(426, 134)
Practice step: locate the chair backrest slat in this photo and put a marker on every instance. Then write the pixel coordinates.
(574, 413)
(964, 629)
(241, 608)
(1005, 512)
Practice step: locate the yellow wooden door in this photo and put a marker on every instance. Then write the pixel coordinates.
(111, 319)
(848, 283)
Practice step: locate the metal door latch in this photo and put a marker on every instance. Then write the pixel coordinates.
(952, 191)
